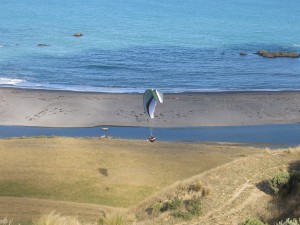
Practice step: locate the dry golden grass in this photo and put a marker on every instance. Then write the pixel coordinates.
(116, 173)
(112, 176)
(240, 189)
(234, 191)
(54, 218)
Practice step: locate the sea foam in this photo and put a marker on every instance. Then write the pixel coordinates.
(8, 81)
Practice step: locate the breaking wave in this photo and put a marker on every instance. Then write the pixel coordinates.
(9, 81)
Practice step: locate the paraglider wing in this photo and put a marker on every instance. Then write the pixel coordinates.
(160, 96)
(151, 108)
(151, 97)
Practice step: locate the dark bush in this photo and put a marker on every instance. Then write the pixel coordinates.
(172, 205)
(280, 183)
(284, 183)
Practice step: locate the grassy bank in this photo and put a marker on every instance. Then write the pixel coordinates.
(114, 173)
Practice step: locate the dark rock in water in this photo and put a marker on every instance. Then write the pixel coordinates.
(265, 53)
(243, 53)
(42, 45)
(78, 35)
(268, 54)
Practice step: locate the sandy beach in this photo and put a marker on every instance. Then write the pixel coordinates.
(80, 109)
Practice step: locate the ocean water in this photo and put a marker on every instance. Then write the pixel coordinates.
(132, 45)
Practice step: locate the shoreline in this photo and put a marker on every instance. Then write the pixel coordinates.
(167, 93)
(51, 108)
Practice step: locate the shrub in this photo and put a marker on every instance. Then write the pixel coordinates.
(172, 205)
(253, 221)
(188, 209)
(193, 206)
(155, 209)
(280, 183)
(178, 208)
(206, 192)
(197, 186)
(289, 221)
(182, 215)
(285, 183)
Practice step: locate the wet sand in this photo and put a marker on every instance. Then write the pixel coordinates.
(80, 109)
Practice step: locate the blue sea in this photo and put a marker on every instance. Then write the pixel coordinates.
(131, 45)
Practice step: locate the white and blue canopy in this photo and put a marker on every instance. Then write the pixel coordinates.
(151, 97)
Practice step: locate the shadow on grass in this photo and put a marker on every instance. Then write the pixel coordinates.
(103, 171)
(294, 167)
(264, 186)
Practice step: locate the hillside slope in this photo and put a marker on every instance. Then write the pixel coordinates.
(238, 190)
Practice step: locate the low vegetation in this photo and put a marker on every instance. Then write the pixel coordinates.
(284, 186)
(280, 184)
(284, 183)
(288, 221)
(116, 219)
(182, 202)
(253, 221)
(178, 208)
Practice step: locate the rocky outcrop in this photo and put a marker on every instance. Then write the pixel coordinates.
(268, 54)
(78, 35)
